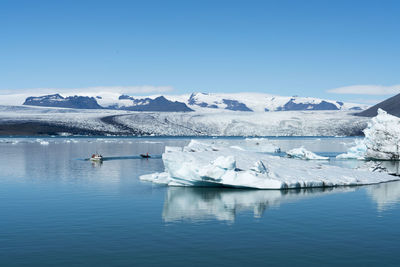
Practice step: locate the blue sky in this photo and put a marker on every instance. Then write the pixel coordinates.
(280, 47)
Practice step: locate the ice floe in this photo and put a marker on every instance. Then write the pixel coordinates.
(302, 153)
(201, 164)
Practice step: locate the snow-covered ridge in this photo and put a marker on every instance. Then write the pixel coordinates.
(257, 102)
(56, 100)
(265, 102)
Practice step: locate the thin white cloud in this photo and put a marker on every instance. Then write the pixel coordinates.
(142, 89)
(367, 90)
(366, 101)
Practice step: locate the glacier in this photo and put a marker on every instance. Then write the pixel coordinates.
(302, 153)
(202, 164)
(198, 123)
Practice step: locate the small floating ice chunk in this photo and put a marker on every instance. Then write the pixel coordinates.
(302, 153)
(196, 146)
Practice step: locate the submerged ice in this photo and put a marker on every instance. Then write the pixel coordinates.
(207, 164)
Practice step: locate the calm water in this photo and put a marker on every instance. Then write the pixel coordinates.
(59, 210)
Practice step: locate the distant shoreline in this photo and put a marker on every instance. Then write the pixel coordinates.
(29, 128)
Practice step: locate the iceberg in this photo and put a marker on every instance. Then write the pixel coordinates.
(200, 164)
(356, 152)
(382, 137)
(302, 153)
(381, 142)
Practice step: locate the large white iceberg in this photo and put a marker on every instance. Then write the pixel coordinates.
(382, 139)
(226, 166)
(302, 153)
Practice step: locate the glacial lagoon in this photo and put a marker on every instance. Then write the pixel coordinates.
(59, 209)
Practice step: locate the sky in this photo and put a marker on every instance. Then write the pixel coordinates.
(342, 50)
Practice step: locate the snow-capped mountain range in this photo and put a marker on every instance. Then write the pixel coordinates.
(246, 102)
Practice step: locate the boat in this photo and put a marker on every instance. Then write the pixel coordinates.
(146, 156)
(96, 157)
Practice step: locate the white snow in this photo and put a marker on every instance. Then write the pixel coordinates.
(257, 102)
(302, 153)
(230, 167)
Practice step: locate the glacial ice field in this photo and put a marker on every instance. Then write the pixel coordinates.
(199, 123)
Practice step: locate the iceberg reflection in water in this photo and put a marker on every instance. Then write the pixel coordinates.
(201, 203)
(385, 195)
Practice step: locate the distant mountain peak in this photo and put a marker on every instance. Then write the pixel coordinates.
(205, 100)
(390, 105)
(248, 102)
(56, 100)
